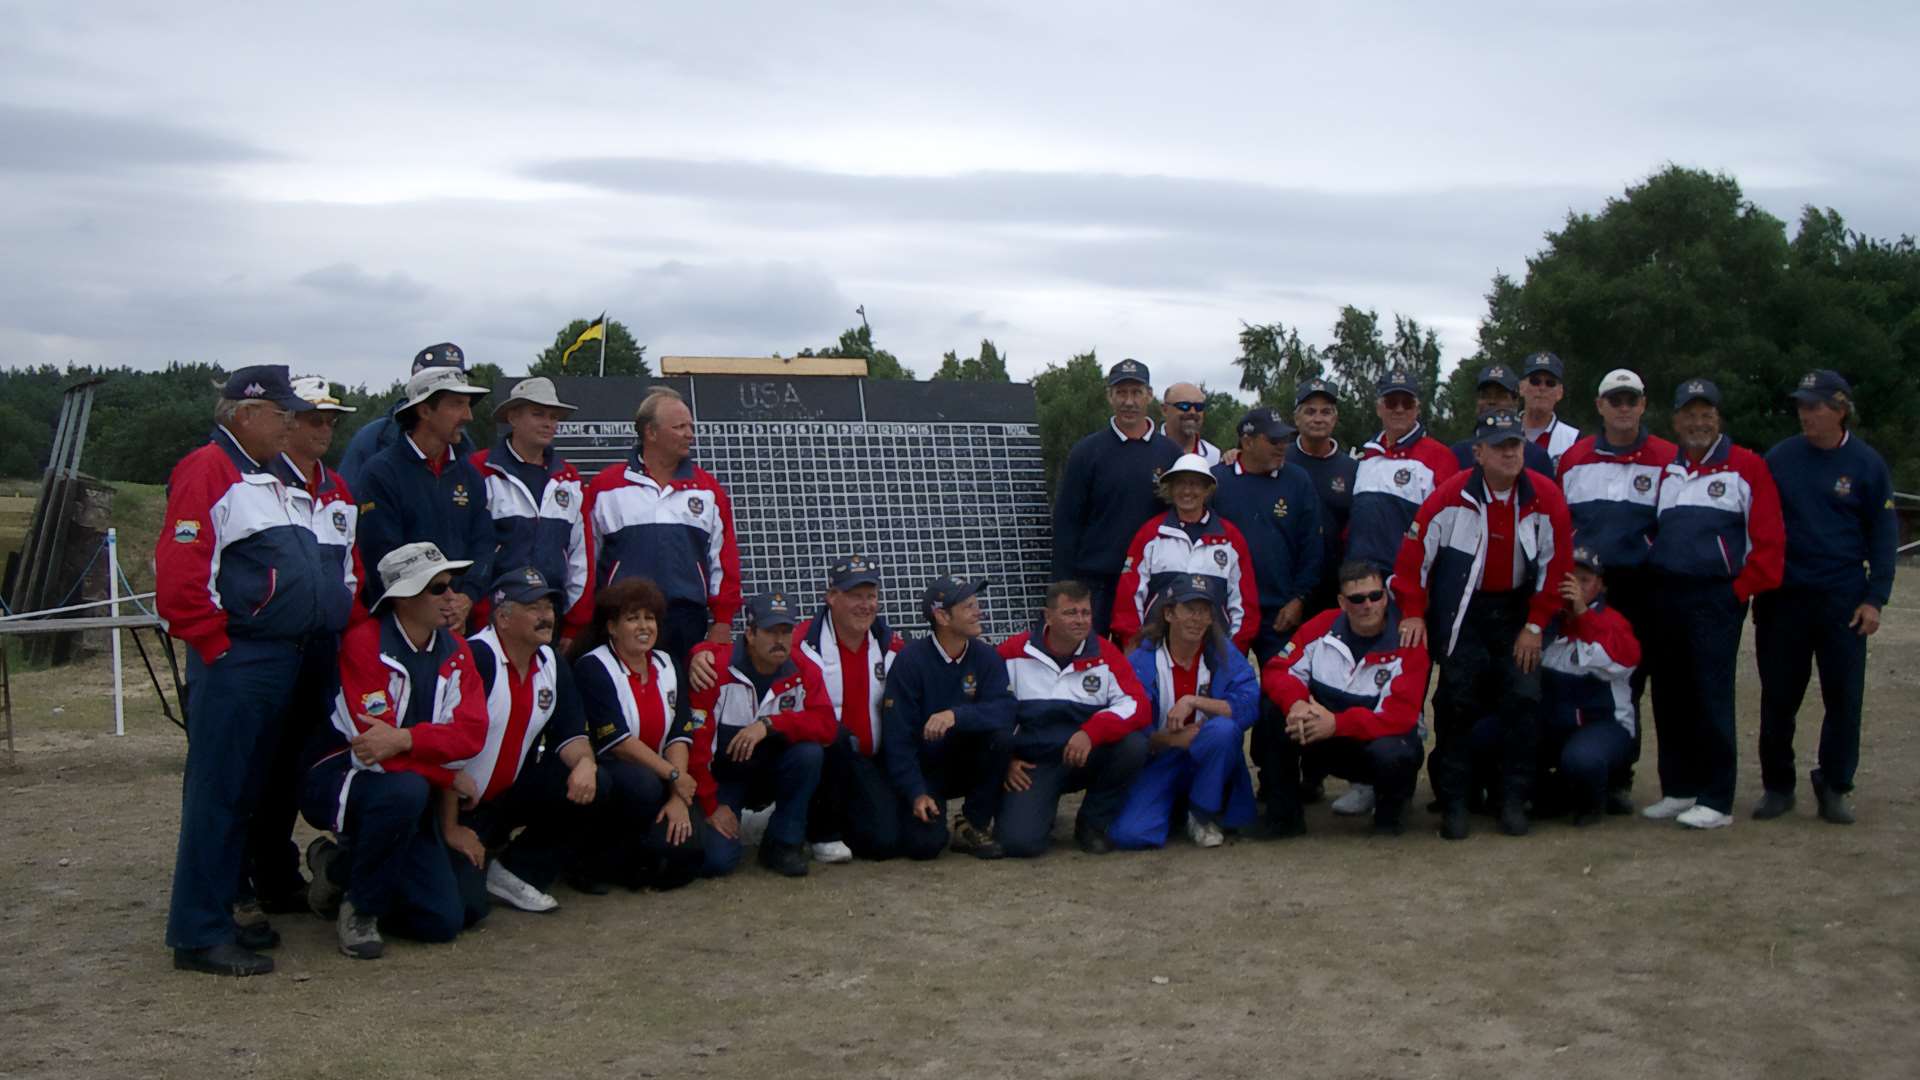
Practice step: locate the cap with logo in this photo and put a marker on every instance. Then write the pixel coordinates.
(264, 382)
(1397, 381)
(949, 591)
(535, 391)
(1264, 421)
(445, 354)
(1544, 361)
(522, 585)
(1306, 388)
(1498, 427)
(1587, 557)
(770, 609)
(409, 568)
(1191, 587)
(1824, 387)
(851, 571)
(1499, 375)
(1693, 390)
(1621, 379)
(434, 380)
(1192, 464)
(315, 391)
(1128, 370)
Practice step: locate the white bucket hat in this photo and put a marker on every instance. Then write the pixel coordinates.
(408, 569)
(435, 379)
(1189, 463)
(535, 391)
(313, 388)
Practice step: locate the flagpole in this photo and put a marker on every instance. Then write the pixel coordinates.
(604, 326)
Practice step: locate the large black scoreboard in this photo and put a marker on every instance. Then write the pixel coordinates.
(927, 477)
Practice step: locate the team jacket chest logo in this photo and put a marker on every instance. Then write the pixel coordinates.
(1643, 483)
(562, 497)
(969, 686)
(696, 505)
(340, 522)
(1338, 485)
(1220, 557)
(1090, 683)
(1381, 676)
(1843, 487)
(1401, 477)
(1279, 509)
(787, 702)
(460, 497)
(546, 698)
(1717, 489)
(880, 669)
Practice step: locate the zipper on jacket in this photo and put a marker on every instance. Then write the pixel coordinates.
(273, 582)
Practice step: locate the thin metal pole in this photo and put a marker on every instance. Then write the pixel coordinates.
(606, 327)
(113, 594)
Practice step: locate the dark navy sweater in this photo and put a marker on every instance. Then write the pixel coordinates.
(1279, 514)
(403, 501)
(1332, 478)
(1106, 493)
(921, 682)
(1838, 509)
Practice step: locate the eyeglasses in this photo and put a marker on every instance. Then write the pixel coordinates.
(1188, 406)
(439, 588)
(1373, 597)
(1622, 399)
(1540, 378)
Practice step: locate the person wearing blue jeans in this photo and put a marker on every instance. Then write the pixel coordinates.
(1203, 698)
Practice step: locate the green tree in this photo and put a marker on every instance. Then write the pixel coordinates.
(1272, 360)
(989, 366)
(23, 443)
(1415, 348)
(625, 356)
(857, 342)
(1356, 359)
(481, 429)
(1498, 337)
(1071, 399)
(1223, 419)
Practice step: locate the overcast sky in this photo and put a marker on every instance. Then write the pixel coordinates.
(334, 186)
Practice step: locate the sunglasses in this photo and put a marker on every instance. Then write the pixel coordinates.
(1188, 406)
(1373, 597)
(1538, 379)
(1622, 400)
(439, 588)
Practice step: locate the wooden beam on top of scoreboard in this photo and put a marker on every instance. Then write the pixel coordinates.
(762, 365)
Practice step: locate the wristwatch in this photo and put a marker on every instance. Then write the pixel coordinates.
(1533, 628)
(673, 775)
(768, 720)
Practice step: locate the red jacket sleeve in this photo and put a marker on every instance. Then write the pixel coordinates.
(1284, 688)
(1249, 589)
(701, 703)
(726, 601)
(577, 618)
(1766, 531)
(1126, 714)
(1130, 592)
(1608, 629)
(1547, 600)
(1400, 713)
(183, 556)
(815, 722)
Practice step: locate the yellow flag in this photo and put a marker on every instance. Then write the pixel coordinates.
(595, 332)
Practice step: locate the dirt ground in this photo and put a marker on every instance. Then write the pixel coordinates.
(1631, 948)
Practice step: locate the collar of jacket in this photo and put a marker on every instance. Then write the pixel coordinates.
(816, 632)
(1476, 489)
(1405, 442)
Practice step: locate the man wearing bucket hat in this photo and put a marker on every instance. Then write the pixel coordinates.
(1108, 489)
(1190, 538)
(536, 498)
(1718, 543)
(238, 578)
(411, 710)
(424, 487)
(381, 432)
(273, 860)
(1399, 468)
(1836, 498)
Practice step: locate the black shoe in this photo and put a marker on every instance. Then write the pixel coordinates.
(1513, 820)
(1287, 826)
(1434, 807)
(587, 886)
(1620, 802)
(257, 937)
(286, 901)
(1389, 822)
(1583, 818)
(1313, 793)
(1092, 841)
(1835, 807)
(1772, 805)
(789, 860)
(228, 959)
(1454, 823)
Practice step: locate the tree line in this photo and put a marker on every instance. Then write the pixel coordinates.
(1679, 276)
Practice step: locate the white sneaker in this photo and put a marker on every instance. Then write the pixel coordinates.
(832, 852)
(503, 883)
(753, 826)
(1669, 807)
(1204, 833)
(1358, 801)
(1704, 817)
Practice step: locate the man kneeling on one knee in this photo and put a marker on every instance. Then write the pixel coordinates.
(411, 710)
(1350, 693)
(761, 733)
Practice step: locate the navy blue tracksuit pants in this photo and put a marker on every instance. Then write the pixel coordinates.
(1694, 662)
(393, 863)
(1391, 764)
(626, 845)
(234, 709)
(1795, 629)
(960, 765)
(1631, 592)
(1026, 817)
(1577, 762)
(781, 773)
(273, 859)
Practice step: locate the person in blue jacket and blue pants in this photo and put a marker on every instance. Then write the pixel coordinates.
(1203, 697)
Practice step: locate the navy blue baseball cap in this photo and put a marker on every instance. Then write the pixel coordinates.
(1544, 361)
(522, 585)
(1190, 587)
(949, 591)
(1498, 427)
(1309, 387)
(1499, 375)
(445, 354)
(1264, 421)
(1824, 387)
(1696, 390)
(1397, 381)
(770, 609)
(265, 382)
(1128, 370)
(851, 571)
(1587, 557)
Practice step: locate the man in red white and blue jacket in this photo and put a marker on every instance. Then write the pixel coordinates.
(1080, 720)
(1720, 543)
(1476, 585)
(1399, 468)
(538, 501)
(241, 579)
(658, 515)
(1590, 717)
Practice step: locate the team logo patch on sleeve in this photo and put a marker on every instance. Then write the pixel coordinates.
(546, 697)
(374, 703)
(1090, 683)
(697, 719)
(186, 531)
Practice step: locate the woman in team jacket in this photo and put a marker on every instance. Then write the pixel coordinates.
(628, 689)
(1203, 698)
(1188, 539)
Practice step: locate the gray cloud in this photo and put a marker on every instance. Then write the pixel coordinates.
(349, 282)
(68, 141)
